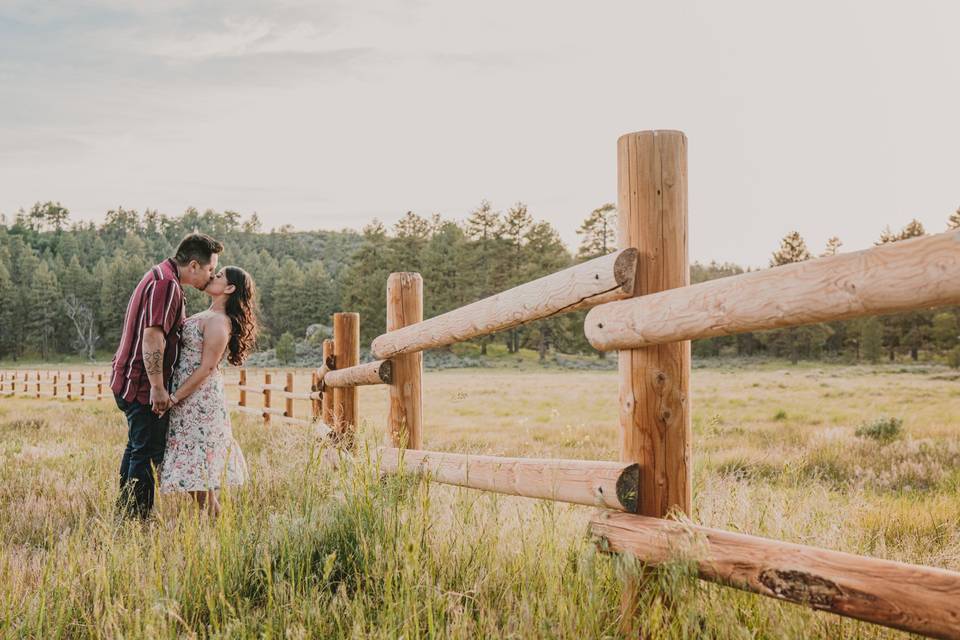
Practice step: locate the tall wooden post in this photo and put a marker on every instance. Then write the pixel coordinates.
(405, 307)
(346, 350)
(99, 386)
(38, 384)
(655, 428)
(69, 385)
(326, 408)
(56, 379)
(83, 386)
(288, 389)
(267, 381)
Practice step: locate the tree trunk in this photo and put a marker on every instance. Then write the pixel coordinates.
(914, 353)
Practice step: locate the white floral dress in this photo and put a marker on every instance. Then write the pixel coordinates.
(201, 453)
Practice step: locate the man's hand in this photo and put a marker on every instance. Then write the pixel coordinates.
(159, 400)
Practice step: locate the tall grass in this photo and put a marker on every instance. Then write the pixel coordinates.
(306, 549)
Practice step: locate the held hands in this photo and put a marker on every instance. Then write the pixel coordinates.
(160, 400)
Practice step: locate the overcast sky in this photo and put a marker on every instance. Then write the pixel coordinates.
(832, 118)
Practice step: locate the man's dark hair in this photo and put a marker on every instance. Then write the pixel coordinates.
(199, 247)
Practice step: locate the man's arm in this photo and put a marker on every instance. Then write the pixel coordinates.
(154, 344)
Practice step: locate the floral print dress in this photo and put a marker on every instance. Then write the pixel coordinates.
(201, 453)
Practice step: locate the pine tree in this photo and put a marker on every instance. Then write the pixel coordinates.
(871, 339)
(366, 282)
(516, 224)
(832, 248)
(8, 303)
(953, 222)
(411, 234)
(444, 270)
(598, 232)
(792, 249)
(483, 228)
(44, 309)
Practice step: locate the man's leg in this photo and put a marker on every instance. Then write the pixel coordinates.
(147, 434)
(125, 501)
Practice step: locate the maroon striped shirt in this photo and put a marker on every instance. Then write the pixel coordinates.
(156, 302)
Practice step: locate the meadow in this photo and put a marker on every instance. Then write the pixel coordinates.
(307, 550)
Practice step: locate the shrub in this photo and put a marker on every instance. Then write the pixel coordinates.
(780, 415)
(286, 349)
(953, 357)
(882, 429)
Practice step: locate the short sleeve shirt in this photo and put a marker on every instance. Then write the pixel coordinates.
(156, 302)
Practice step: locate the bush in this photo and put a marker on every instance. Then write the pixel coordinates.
(953, 357)
(882, 429)
(780, 415)
(286, 348)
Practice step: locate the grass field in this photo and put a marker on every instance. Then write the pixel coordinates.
(306, 551)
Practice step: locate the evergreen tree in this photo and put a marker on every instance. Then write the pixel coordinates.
(598, 233)
(832, 248)
(871, 339)
(286, 349)
(483, 228)
(366, 280)
(945, 330)
(445, 271)
(43, 309)
(953, 222)
(8, 303)
(792, 249)
(516, 224)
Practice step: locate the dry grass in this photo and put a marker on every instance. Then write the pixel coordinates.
(303, 551)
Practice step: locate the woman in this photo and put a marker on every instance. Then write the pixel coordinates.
(201, 452)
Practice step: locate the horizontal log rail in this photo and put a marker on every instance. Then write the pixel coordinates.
(918, 599)
(612, 485)
(900, 276)
(377, 372)
(597, 281)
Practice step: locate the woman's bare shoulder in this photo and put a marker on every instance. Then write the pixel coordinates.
(216, 321)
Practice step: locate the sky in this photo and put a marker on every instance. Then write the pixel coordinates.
(829, 118)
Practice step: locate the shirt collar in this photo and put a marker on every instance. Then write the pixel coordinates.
(174, 268)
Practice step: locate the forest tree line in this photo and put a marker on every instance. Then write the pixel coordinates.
(64, 284)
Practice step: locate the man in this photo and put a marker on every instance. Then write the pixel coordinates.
(143, 364)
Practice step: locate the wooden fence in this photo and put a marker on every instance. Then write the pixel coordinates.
(644, 306)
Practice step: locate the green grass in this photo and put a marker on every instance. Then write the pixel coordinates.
(306, 550)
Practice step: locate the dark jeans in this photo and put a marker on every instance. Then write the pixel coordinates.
(146, 440)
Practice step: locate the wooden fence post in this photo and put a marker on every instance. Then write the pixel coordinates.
(243, 392)
(655, 429)
(99, 386)
(56, 379)
(346, 349)
(267, 380)
(288, 388)
(326, 406)
(405, 307)
(69, 385)
(83, 386)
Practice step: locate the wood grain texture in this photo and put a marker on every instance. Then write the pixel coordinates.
(376, 372)
(346, 349)
(901, 276)
(611, 485)
(923, 600)
(597, 281)
(405, 308)
(655, 425)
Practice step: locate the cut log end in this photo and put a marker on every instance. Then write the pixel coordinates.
(386, 372)
(628, 488)
(625, 270)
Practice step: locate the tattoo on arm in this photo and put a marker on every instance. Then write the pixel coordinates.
(153, 362)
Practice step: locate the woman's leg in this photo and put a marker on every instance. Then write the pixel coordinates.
(207, 501)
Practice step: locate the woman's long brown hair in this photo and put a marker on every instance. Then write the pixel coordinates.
(242, 311)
